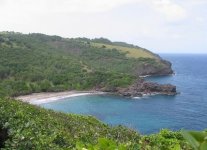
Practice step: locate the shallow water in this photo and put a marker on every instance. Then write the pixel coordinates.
(150, 114)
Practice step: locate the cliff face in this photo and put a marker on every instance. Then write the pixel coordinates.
(164, 68)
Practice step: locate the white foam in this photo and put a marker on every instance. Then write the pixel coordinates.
(144, 76)
(136, 97)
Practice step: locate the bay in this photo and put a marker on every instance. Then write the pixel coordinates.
(149, 114)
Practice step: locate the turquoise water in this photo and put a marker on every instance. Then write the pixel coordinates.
(187, 110)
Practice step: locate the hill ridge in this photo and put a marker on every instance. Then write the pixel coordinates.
(39, 63)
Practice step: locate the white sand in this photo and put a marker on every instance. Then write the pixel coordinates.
(40, 98)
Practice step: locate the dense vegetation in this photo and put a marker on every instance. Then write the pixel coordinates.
(37, 62)
(31, 127)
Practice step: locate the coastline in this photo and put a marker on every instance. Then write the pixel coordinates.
(46, 97)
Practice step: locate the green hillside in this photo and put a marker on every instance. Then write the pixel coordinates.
(39, 63)
(23, 126)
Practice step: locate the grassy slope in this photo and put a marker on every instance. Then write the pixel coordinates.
(31, 127)
(131, 52)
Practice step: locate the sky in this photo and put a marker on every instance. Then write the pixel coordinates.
(162, 26)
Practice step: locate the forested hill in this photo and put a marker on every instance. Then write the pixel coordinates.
(37, 62)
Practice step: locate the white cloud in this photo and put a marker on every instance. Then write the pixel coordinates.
(167, 8)
(171, 10)
(66, 6)
(196, 2)
(200, 19)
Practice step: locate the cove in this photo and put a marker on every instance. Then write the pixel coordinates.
(149, 114)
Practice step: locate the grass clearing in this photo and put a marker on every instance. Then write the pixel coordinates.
(130, 52)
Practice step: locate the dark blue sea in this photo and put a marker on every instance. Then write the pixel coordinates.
(188, 110)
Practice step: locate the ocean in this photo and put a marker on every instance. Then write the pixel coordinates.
(150, 114)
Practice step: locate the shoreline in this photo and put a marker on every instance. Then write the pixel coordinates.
(47, 97)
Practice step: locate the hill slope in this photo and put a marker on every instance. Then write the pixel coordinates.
(23, 126)
(37, 62)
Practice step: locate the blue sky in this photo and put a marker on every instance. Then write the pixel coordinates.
(163, 26)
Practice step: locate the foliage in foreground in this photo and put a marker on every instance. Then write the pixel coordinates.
(198, 140)
(32, 127)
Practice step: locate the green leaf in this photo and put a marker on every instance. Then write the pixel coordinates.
(176, 147)
(192, 141)
(199, 136)
(203, 146)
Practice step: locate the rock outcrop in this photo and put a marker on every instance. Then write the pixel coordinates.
(142, 87)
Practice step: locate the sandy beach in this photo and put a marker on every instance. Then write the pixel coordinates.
(46, 97)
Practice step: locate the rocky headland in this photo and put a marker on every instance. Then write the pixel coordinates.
(142, 87)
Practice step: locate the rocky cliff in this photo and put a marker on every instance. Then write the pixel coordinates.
(141, 88)
(163, 69)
